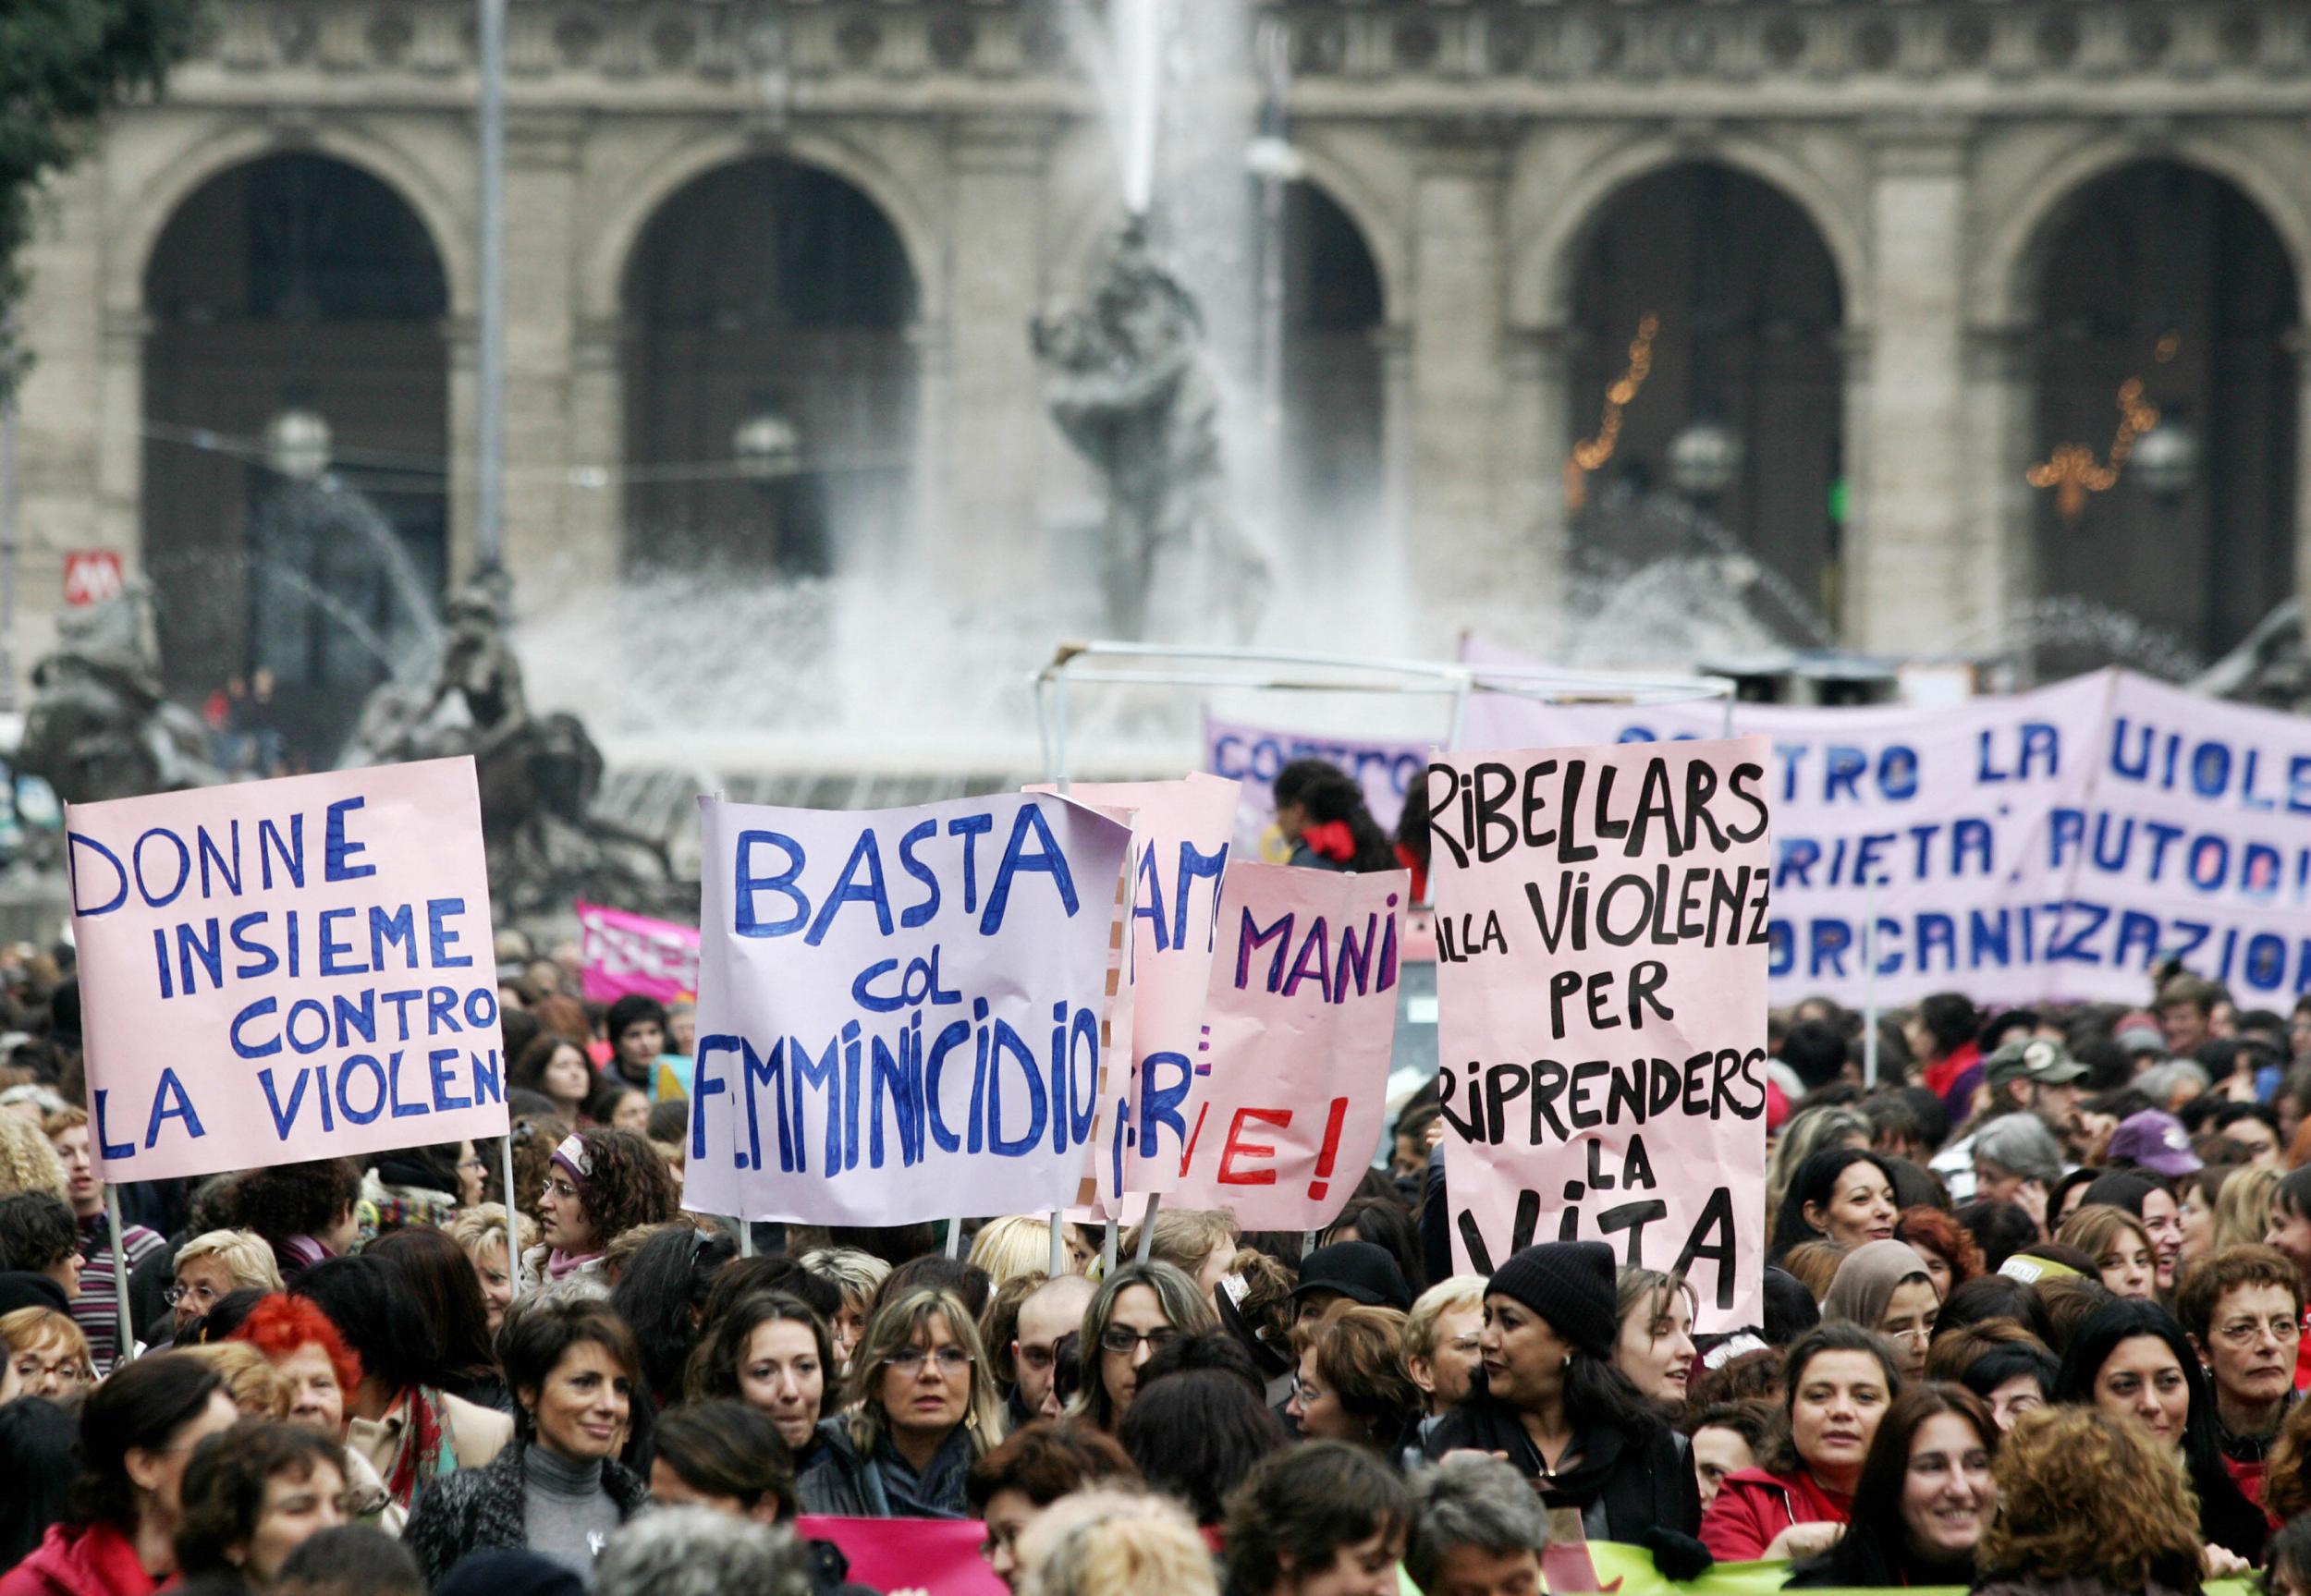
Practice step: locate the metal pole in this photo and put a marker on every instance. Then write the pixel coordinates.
(1869, 982)
(490, 438)
(7, 532)
(124, 1334)
(1108, 1250)
(746, 1236)
(513, 1213)
(954, 1239)
(1147, 1225)
(1058, 1248)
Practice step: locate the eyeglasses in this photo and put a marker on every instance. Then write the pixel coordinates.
(66, 1369)
(1120, 1339)
(1305, 1394)
(561, 1189)
(949, 1360)
(177, 1294)
(2240, 1331)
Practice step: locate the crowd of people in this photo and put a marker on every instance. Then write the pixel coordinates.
(2031, 1321)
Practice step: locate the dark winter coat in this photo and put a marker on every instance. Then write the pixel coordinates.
(478, 1508)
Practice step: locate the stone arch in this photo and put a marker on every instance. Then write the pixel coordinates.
(144, 214)
(2017, 241)
(1545, 258)
(601, 280)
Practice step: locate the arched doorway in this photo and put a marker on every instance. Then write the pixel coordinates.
(1333, 397)
(295, 282)
(2163, 290)
(1707, 391)
(770, 380)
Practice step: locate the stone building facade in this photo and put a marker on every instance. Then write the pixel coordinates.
(1905, 250)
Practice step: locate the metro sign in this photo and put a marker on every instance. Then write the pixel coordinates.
(92, 576)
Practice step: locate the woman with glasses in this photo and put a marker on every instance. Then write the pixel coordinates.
(2242, 1310)
(138, 1432)
(923, 1408)
(214, 1265)
(1884, 1286)
(1136, 1309)
(598, 1184)
(48, 1354)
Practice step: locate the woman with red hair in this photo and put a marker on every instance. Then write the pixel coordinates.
(1950, 1254)
(323, 1372)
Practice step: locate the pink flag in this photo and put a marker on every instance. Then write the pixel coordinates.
(632, 952)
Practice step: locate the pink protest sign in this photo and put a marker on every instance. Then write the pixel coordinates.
(1300, 1021)
(632, 952)
(1181, 833)
(937, 1556)
(1601, 1006)
(275, 971)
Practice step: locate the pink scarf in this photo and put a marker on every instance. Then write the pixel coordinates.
(559, 1263)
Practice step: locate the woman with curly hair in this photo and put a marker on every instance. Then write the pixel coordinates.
(923, 1408)
(1952, 1256)
(303, 1211)
(28, 1163)
(597, 1184)
(2088, 1506)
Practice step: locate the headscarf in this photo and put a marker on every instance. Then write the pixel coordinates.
(1867, 1280)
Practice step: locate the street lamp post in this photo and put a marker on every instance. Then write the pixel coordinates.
(489, 476)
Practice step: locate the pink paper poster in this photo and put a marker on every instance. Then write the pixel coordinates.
(275, 971)
(1300, 1022)
(1601, 1006)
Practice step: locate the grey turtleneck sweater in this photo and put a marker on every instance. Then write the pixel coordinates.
(571, 1518)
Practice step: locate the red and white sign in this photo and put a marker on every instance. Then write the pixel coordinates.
(92, 576)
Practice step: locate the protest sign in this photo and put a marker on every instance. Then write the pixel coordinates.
(1179, 836)
(1601, 999)
(632, 953)
(898, 1010)
(285, 969)
(1932, 823)
(1251, 756)
(936, 1556)
(1297, 1028)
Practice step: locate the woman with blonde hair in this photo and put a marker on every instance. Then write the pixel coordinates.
(2243, 1209)
(1198, 1242)
(858, 1276)
(1019, 1244)
(28, 1163)
(1114, 1543)
(923, 1408)
(2088, 1506)
(480, 1231)
(258, 1389)
(214, 1265)
(2125, 1260)
(49, 1354)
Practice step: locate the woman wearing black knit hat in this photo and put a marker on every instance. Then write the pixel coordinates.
(1548, 1396)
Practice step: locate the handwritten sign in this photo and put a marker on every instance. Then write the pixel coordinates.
(898, 1010)
(1300, 1022)
(286, 970)
(1254, 755)
(1179, 835)
(1601, 990)
(632, 953)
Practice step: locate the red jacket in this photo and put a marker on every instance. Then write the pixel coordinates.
(81, 1560)
(1751, 1507)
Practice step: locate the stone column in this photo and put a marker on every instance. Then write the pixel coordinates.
(993, 431)
(542, 440)
(1535, 434)
(1910, 549)
(1468, 566)
(2302, 357)
(1999, 503)
(591, 493)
